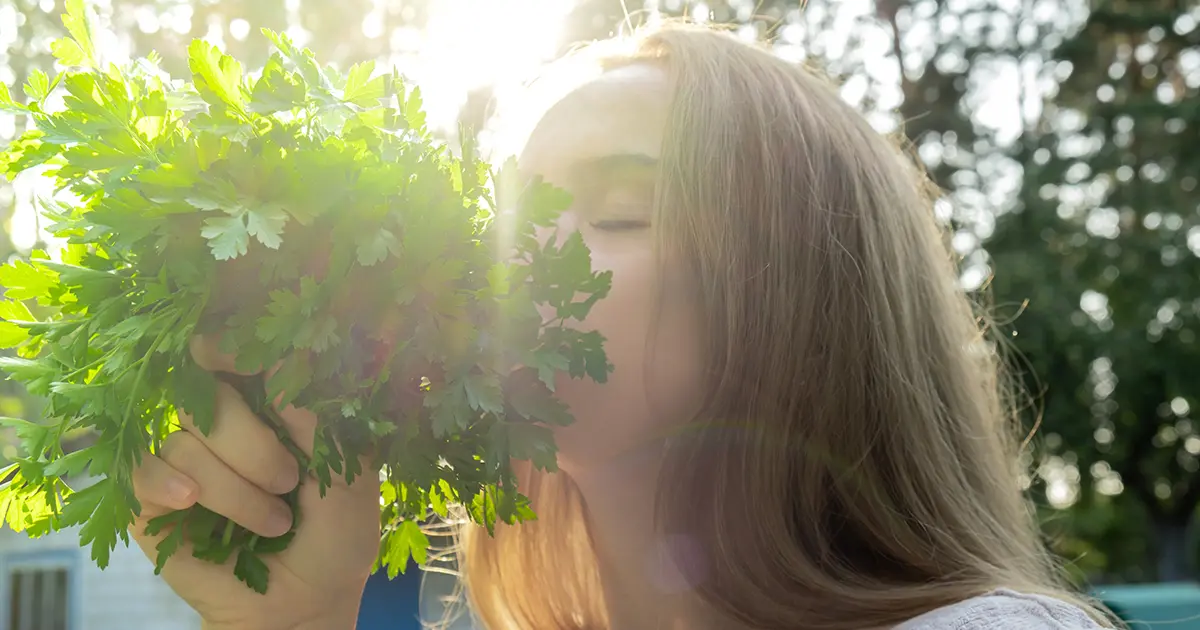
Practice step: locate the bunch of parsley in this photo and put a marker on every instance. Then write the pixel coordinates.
(310, 219)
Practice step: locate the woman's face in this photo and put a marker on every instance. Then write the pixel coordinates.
(601, 143)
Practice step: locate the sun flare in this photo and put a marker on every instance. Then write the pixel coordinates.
(465, 45)
(472, 43)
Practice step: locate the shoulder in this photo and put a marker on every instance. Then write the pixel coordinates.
(1005, 610)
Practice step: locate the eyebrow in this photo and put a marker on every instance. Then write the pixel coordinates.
(615, 164)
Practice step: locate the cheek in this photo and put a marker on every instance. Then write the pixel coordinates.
(653, 341)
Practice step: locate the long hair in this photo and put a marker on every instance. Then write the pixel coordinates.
(854, 464)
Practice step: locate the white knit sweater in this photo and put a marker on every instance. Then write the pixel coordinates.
(1004, 610)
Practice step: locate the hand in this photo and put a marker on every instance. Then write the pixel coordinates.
(238, 471)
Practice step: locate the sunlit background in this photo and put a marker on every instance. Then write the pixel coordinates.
(452, 48)
(461, 46)
(1062, 132)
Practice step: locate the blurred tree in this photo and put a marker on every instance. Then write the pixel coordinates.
(1101, 323)
(24, 47)
(338, 32)
(1102, 249)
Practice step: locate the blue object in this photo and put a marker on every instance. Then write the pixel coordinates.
(391, 604)
(1165, 606)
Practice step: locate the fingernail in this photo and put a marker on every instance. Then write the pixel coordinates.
(280, 519)
(180, 491)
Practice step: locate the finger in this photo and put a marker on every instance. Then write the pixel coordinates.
(246, 444)
(157, 483)
(206, 352)
(224, 491)
(301, 424)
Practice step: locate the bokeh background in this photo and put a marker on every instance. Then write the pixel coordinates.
(1065, 134)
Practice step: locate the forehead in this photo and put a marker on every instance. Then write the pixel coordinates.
(622, 111)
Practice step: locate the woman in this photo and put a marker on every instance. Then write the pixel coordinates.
(804, 429)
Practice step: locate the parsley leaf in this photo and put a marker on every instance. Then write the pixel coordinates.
(361, 89)
(110, 517)
(266, 224)
(24, 281)
(227, 236)
(406, 540)
(69, 53)
(37, 86)
(218, 76)
(276, 89)
(374, 247)
(196, 393)
(252, 570)
(169, 543)
(78, 24)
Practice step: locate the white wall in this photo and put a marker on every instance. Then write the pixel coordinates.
(125, 596)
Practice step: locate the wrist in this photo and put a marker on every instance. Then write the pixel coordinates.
(342, 621)
(343, 617)
(342, 613)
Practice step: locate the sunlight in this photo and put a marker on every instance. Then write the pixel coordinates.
(472, 43)
(466, 44)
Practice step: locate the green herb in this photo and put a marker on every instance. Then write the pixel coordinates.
(310, 218)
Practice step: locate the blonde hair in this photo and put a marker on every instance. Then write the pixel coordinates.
(858, 465)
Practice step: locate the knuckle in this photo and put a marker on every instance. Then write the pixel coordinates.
(231, 411)
(182, 450)
(202, 351)
(143, 483)
(206, 352)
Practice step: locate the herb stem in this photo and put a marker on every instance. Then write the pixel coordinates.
(227, 536)
(140, 363)
(276, 423)
(145, 362)
(70, 375)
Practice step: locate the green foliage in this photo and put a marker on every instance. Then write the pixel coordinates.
(309, 220)
(1101, 253)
